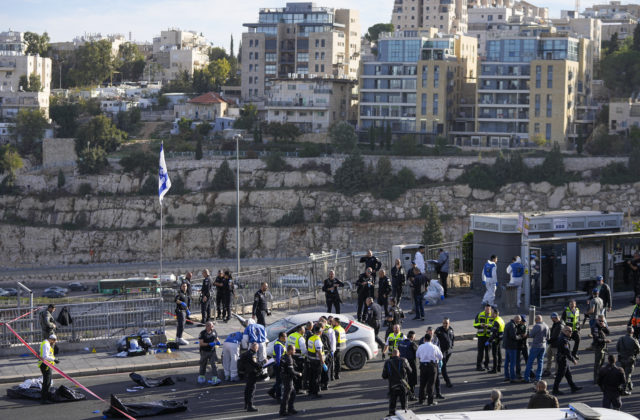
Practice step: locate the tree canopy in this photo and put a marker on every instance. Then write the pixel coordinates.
(374, 31)
(343, 136)
(101, 133)
(37, 44)
(92, 64)
(130, 62)
(29, 130)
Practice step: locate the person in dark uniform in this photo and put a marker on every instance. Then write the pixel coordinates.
(611, 380)
(365, 289)
(397, 371)
(599, 333)
(372, 262)
(571, 317)
(288, 374)
(446, 337)
(219, 284)
(407, 349)
(252, 368)
(373, 318)
(227, 292)
(634, 266)
(523, 349)
(187, 280)
(205, 296)
(384, 290)
(182, 312)
(417, 283)
(564, 354)
(331, 293)
(398, 278)
(260, 309)
(394, 316)
(605, 294)
(628, 350)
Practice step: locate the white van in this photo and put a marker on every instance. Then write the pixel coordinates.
(575, 411)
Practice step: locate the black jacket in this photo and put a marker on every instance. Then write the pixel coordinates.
(64, 317)
(287, 367)
(564, 351)
(182, 297)
(373, 316)
(207, 285)
(511, 338)
(396, 369)
(219, 283)
(417, 283)
(332, 294)
(611, 378)
(605, 295)
(445, 338)
(250, 363)
(556, 330)
(365, 285)
(599, 335)
(394, 316)
(259, 303)
(521, 330)
(398, 277)
(371, 262)
(384, 287)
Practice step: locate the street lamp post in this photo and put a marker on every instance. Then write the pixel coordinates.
(237, 204)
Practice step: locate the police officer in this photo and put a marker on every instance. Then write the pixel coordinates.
(289, 374)
(429, 356)
(373, 318)
(299, 342)
(393, 339)
(315, 352)
(46, 353)
(398, 278)
(187, 279)
(47, 323)
(482, 324)
(396, 370)
(523, 349)
(564, 354)
(634, 321)
(384, 290)
(341, 345)
(599, 333)
(571, 317)
(496, 334)
(331, 293)
(260, 309)
(611, 379)
(218, 282)
(365, 289)
(205, 296)
(407, 349)
(446, 338)
(252, 367)
(329, 342)
(208, 340)
(394, 316)
(278, 351)
(552, 349)
(227, 292)
(628, 350)
(182, 312)
(372, 262)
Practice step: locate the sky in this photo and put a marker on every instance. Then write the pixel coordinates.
(215, 19)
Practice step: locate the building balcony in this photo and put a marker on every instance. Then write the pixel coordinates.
(295, 105)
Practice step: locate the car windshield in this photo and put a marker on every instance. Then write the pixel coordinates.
(274, 329)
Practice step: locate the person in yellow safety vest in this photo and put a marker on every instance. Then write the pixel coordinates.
(316, 360)
(634, 321)
(497, 331)
(279, 349)
(393, 339)
(297, 340)
(46, 353)
(571, 317)
(482, 324)
(329, 340)
(341, 344)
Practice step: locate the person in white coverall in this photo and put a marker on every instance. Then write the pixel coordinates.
(255, 333)
(516, 271)
(230, 356)
(490, 280)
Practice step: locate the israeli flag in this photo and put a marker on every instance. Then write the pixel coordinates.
(164, 183)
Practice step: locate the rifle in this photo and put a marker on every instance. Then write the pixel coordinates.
(586, 316)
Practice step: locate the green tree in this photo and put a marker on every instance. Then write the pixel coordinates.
(65, 116)
(467, 252)
(636, 38)
(203, 81)
(29, 131)
(343, 136)
(219, 70)
(10, 160)
(387, 137)
(231, 46)
(130, 62)
(294, 217)
(552, 168)
(99, 132)
(621, 72)
(61, 179)
(374, 31)
(199, 148)
(183, 83)
(407, 145)
(93, 63)
(37, 44)
(140, 162)
(184, 125)
(129, 121)
(92, 160)
(216, 53)
(33, 83)
(224, 178)
(351, 177)
(432, 232)
(248, 117)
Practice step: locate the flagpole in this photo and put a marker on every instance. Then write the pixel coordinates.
(160, 274)
(164, 183)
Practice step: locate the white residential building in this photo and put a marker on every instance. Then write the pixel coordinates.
(176, 51)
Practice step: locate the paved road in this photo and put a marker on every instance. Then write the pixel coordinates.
(358, 395)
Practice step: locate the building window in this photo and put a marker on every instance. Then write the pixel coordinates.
(322, 68)
(538, 76)
(270, 56)
(251, 42)
(423, 104)
(537, 109)
(317, 43)
(550, 77)
(250, 79)
(435, 104)
(548, 132)
(322, 43)
(549, 107)
(536, 128)
(436, 77)
(250, 55)
(322, 55)
(317, 67)
(256, 56)
(303, 57)
(425, 71)
(250, 67)
(270, 69)
(257, 41)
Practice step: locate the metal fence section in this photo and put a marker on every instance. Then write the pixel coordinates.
(454, 249)
(91, 321)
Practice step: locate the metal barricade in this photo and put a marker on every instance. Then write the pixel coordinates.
(297, 294)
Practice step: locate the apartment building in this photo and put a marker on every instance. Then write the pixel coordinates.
(207, 107)
(613, 8)
(14, 64)
(176, 51)
(313, 104)
(617, 18)
(115, 39)
(388, 80)
(533, 88)
(447, 16)
(582, 27)
(446, 84)
(624, 114)
(300, 38)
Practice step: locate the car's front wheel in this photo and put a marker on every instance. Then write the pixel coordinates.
(355, 358)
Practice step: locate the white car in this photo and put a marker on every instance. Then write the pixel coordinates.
(361, 343)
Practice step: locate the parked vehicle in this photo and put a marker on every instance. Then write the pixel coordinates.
(76, 286)
(4, 293)
(62, 290)
(12, 291)
(49, 293)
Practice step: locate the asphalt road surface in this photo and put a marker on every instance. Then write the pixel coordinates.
(358, 395)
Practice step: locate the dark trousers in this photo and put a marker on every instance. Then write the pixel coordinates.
(300, 367)
(418, 304)
(333, 302)
(361, 300)
(483, 352)
(208, 358)
(600, 356)
(181, 317)
(337, 363)
(205, 310)
(46, 381)
(219, 304)
(397, 392)
(249, 390)
(324, 376)
(627, 364)
(575, 336)
(611, 399)
(226, 306)
(428, 373)
(496, 354)
(314, 376)
(524, 353)
(563, 371)
(413, 376)
(288, 395)
(443, 281)
(261, 318)
(384, 302)
(376, 330)
(445, 376)
(396, 293)
(277, 386)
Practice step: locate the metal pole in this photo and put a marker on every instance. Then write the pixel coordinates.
(237, 204)
(160, 274)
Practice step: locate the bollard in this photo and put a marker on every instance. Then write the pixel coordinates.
(532, 314)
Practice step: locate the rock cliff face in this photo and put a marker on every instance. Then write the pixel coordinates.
(39, 230)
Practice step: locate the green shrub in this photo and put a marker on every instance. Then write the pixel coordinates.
(310, 150)
(140, 163)
(85, 189)
(149, 186)
(331, 217)
(616, 173)
(224, 178)
(351, 177)
(92, 160)
(294, 217)
(365, 216)
(275, 163)
(432, 232)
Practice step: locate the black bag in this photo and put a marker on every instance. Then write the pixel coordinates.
(64, 317)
